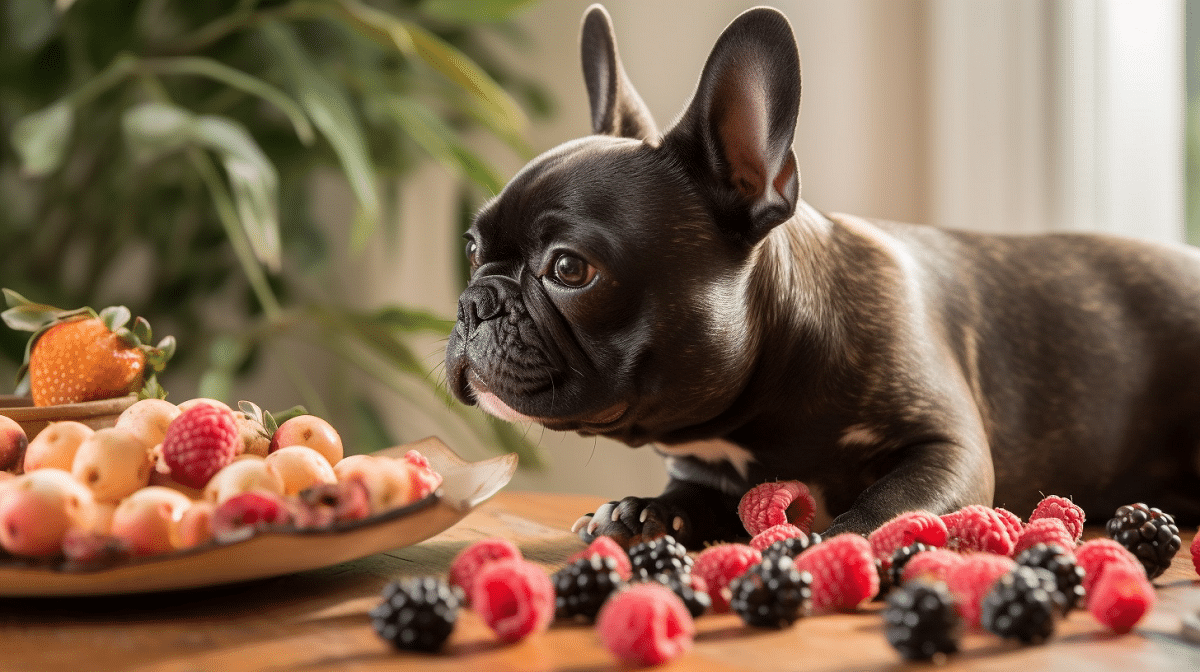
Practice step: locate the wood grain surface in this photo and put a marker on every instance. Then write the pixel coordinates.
(318, 620)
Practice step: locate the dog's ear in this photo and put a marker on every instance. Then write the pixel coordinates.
(736, 133)
(617, 109)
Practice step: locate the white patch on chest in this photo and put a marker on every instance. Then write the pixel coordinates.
(713, 451)
(859, 435)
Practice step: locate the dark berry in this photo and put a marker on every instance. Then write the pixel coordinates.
(1148, 533)
(1068, 576)
(885, 581)
(792, 546)
(416, 614)
(696, 601)
(659, 556)
(581, 588)
(920, 620)
(771, 594)
(901, 557)
(1020, 606)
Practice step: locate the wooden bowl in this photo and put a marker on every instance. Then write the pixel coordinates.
(33, 419)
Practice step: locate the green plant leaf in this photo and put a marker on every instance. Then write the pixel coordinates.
(155, 129)
(41, 138)
(471, 11)
(141, 328)
(254, 182)
(332, 113)
(207, 67)
(441, 141)
(411, 319)
(115, 317)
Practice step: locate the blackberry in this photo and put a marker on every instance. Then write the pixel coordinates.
(696, 601)
(792, 546)
(1068, 576)
(885, 581)
(1148, 533)
(771, 594)
(582, 587)
(1019, 605)
(416, 614)
(659, 556)
(901, 557)
(920, 620)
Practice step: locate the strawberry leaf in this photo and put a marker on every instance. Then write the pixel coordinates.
(293, 412)
(141, 328)
(115, 317)
(128, 338)
(158, 356)
(151, 389)
(13, 299)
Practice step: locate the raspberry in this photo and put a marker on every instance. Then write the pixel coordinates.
(921, 622)
(646, 624)
(514, 597)
(416, 614)
(1019, 606)
(1195, 549)
(466, 565)
(1098, 555)
(241, 514)
(663, 555)
(424, 479)
(689, 588)
(843, 572)
(719, 565)
(933, 565)
(199, 442)
(979, 528)
(607, 547)
(970, 580)
(775, 533)
(767, 505)
(1044, 531)
(1068, 576)
(1011, 521)
(1148, 533)
(581, 587)
(771, 594)
(1063, 509)
(324, 504)
(904, 530)
(86, 548)
(1121, 597)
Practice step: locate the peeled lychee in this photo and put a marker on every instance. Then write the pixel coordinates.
(242, 475)
(12, 443)
(388, 481)
(149, 418)
(54, 447)
(195, 525)
(38, 508)
(300, 467)
(113, 463)
(311, 431)
(146, 519)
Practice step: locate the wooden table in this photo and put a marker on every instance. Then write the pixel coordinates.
(318, 621)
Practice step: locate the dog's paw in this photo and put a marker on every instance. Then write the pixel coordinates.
(632, 521)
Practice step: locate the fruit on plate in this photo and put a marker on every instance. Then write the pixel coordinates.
(199, 442)
(248, 472)
(147, 518)
(113, 463)
(37, 509)
(300, 467)
(310, 431)
(56, 445)
(149, 419)
(81, 355)
(12, 442)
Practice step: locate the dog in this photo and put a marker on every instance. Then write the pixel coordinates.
(671, 288)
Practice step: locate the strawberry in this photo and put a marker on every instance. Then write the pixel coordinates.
(199, 442)
(80, 355)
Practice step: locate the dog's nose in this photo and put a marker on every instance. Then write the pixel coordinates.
(478, 303)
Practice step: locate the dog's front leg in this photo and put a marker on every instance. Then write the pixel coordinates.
(689, 511)
(938, 477)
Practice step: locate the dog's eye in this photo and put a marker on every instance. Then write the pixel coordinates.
(572, 271)
(472, 253)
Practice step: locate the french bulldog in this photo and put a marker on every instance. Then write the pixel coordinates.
(671, 288)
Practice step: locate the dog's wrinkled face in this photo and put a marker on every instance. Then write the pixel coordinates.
(595, 304)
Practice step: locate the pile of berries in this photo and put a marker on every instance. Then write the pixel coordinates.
(976, 568)
(170, 477)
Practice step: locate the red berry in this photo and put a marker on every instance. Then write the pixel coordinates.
(249, 511)
(1098, 555)
(979, 528)
(514, 597)
(934, 565)
(904, 530)
(776, 503)
(645, 625)
(843, 573)
(466, 565)
(1122, 596)
(199, 442)
(1195, 548)
(324, 504)
(775, 533)
(606, 547)
(970, 580)
(719, 565)
(424, 479)
(1045, 531)
(1063, 509)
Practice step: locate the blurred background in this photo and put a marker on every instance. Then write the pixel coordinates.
(283, 184)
